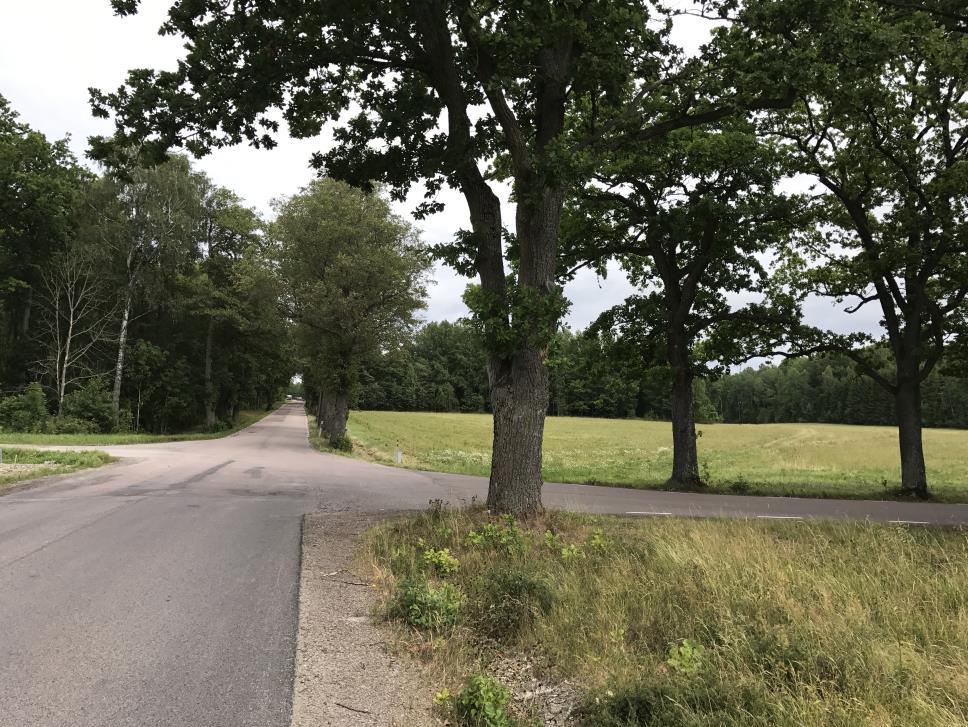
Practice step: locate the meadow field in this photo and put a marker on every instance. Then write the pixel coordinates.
(812, 460)
(679, 621)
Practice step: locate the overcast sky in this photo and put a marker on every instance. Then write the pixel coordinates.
(51, 51)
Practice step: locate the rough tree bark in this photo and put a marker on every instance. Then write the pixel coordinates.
(335, 408)
(685, 459)
(907, 403)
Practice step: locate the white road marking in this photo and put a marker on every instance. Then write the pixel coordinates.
(635, 512)
(779, 517)
(909, 522)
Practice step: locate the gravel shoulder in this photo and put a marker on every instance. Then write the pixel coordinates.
(344, 675)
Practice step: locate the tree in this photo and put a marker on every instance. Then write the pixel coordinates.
(691, 218)
(455, 93)
(39, 181)
(886, 139)
(145, 224)
(75, 313)
(355, 277)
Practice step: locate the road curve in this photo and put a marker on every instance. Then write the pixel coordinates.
(162, 590)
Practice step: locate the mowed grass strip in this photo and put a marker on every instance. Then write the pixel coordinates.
(246, 419)
(809, 460)
(689, 621)
(24, 464)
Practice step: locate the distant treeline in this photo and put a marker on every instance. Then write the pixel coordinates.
(442, 368)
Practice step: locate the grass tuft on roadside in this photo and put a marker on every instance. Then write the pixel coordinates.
(681, 621)
(24, 464)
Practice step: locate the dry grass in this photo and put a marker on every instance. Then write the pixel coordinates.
(799, 624)
(811, 460)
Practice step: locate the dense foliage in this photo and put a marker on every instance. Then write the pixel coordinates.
(145, 301)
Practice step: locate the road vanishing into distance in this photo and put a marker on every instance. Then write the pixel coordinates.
(162, 590)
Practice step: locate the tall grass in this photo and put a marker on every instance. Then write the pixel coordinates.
(702, 622)
(812, 460)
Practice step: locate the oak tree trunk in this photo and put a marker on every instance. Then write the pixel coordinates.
(907, 402)
(519, 399)
(335, 412)
(685, 460)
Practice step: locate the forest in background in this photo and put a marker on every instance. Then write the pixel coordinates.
(137, 302)
(441, 368)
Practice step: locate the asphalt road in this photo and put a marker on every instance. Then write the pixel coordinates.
(162, 590)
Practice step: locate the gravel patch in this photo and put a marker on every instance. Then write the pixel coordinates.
(344, 675)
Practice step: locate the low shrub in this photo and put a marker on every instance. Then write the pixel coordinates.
(91, 402)
(508, 600)
(69, 425)
(504, 535)
(440, 561)
(425, 606)
(482, 702)
(26, 412)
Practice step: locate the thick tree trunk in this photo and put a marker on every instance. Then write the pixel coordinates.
(685, 459)
(907, 402)
(209, 388)
(119, 366)
(519, 400)
(335, 413)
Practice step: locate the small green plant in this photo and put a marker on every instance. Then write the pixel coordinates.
(440, 561)
(424, 606)
(505, 535)
(571, 553)
(686, 657)
(482, 702)
(552, 540)
(597, 539)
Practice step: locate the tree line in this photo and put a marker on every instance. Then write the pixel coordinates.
(439, 368)
(619, 146)
(138, 302)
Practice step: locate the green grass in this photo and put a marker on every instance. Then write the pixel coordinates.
(810, 460)
(246, 418)
(41, 463)
(691, 621)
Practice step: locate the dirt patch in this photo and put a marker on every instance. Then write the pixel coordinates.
(21, 469)
(344, 675)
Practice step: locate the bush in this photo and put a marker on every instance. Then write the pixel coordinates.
(483, 702)
(91, 402)
(425, 606)
(509, 601)
(25, 412)
(69, 425)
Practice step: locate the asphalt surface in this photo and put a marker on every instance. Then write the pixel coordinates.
(162, 590)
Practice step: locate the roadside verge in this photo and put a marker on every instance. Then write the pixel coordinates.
(344, 674)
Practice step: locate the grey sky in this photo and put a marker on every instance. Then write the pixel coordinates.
(51, 51)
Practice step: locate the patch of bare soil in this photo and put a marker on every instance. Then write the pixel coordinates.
(344, 675)
(20, 469)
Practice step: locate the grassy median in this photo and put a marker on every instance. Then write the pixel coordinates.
(809, 460)
(23, 464)
(684, 621)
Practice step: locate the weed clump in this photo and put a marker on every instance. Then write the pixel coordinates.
(509, 600)
(482, 702)
(424, 606)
